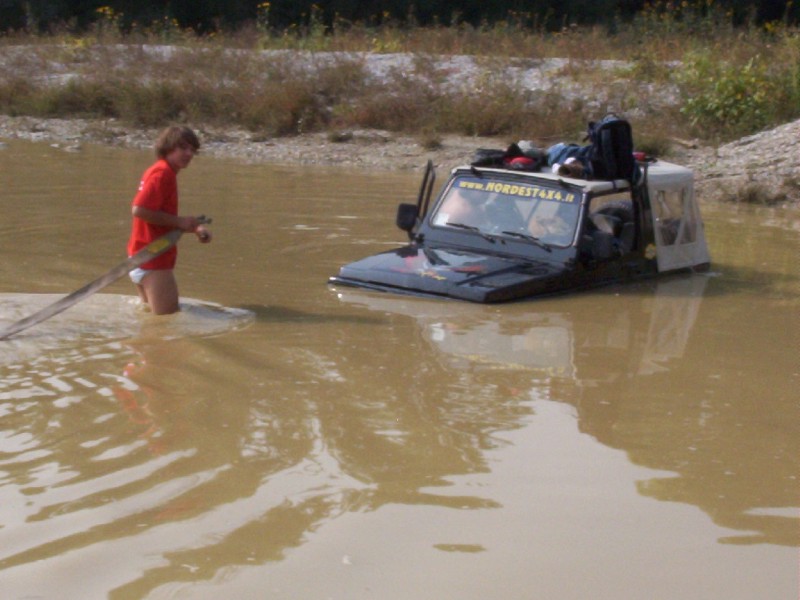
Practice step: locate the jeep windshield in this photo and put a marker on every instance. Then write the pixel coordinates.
(539, 213)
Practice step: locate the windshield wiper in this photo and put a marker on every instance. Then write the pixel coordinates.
(528, 237)
(477, 230)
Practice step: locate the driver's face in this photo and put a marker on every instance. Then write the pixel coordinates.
(458, 209)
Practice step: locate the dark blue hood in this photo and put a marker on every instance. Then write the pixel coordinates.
(453, 273)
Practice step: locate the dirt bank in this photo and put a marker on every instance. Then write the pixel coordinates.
(371, 149)
(763, 168)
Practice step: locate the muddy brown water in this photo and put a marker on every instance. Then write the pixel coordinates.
(281, 439)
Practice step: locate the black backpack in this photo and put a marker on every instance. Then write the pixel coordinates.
(611, 151)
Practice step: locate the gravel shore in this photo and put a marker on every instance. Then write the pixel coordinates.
(762, 168)
(368, 148)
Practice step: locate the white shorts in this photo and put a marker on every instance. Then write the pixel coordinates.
(137, 275)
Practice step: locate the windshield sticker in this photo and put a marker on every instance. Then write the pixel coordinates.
(432, 275)
(422, 266)
(518, 190)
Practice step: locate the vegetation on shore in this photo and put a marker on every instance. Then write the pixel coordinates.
(726, 81)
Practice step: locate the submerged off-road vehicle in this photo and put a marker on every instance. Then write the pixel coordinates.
(495, 234)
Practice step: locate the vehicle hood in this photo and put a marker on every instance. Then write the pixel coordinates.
(453, 273)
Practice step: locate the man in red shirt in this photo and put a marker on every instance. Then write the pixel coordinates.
(155, 212)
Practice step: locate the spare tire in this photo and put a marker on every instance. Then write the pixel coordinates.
(619, 211)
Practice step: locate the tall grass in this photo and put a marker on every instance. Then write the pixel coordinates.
(721, 82)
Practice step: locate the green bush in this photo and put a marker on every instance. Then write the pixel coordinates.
(728, 99)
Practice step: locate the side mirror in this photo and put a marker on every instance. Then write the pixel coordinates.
(407, 216)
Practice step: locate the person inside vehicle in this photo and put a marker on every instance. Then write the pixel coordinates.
(549, 225)
(458, 208)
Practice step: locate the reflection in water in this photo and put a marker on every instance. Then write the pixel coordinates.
(381, 446)
(131, 449)
(622, 370)
(137, 448)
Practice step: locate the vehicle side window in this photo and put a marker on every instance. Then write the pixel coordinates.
(674, 224)
(611, 213)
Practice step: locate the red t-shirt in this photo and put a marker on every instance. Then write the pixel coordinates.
(158, 190)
